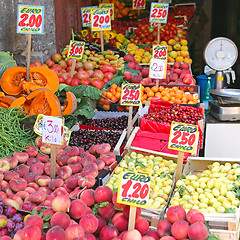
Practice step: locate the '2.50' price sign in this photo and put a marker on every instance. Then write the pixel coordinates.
(30, 19)
(159, 12)
(138, 4)
(110, 6)
(134, 189)
(76, 49)
(86, 16)
(131, 94)
(100, 19)
(52, 130)
(183, 137)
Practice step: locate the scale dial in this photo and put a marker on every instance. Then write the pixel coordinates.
(220, 53)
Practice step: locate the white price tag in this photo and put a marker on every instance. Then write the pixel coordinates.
(158, 68)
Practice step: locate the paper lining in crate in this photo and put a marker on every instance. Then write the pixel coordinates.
(160, 166)
(208, 187)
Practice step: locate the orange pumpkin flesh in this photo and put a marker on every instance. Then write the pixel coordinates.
(19, 102)
(70, 104)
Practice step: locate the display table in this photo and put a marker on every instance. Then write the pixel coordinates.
(222, 139)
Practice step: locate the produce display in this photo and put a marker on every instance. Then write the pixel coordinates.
(161, 172)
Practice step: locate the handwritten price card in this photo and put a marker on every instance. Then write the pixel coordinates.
(158, 68)
(183, 137)
(52, 130)
(30, 19)
(76, 49)
(100, 19)
(160, 52)
(134, 189)
(110, 6)
(131, 94)
(138, 4)
(159, 12)
(86, 16)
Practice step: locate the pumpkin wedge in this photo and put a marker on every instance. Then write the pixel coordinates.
(19, 102)
(70, 104)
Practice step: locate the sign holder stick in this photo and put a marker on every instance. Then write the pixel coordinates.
(73, 67)
(129, 121)
(102, 42)
(158, 38)
(138, 12)
(179, 164)
(53, 161)
(29, 55)
(132, 217)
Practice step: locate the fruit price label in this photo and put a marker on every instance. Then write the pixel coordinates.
(159, 12)
(110, 6)
(138, 4)
(76, 49)
(134, 189)
(86, 16)
(131, 94)
(160, 52)
(30, 19)
(158, 68)
(100, 19)
(183, 137)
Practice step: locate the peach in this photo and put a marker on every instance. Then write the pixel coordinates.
(47, 212)
(108, 232)
(89, 223)
(93, 149)
(177, 65)
(90, 236)
(175, 213)
(87, 181)
(71, 151)
(12, 161)
(10, 202)
(18, 184)
(33, 185)
(32, 160)
(103, 194)
(142, 225)
(197, 231)
(48, 201)
(31, 232)
(88, 197)
(9, 175)
(22, 169)
(22, 157)
(46, 189)
(148, 238)
(43, 180)
(197, 217)
(47, 168)
(30, 190)
(38, 196)
(101, 223)
(5, 238)
(62, 159)
(120, 222)
(167, 238)
(22, 194)
(59, 151)
(64, 172)
(30, 177)
(179, 229)
(164, 228)
(61, 203)
(132, 234)
(31, 151)
(56, 233)
(37, 168)
(88, 159)
(153, 233)
(75, 193)
(45, 148)
(81, 151)
(38, 141)
(74, 159)
(76, 167)
(77, 209)
(8, 191)
(34, 220)
(115, 203)
(190, 213)
(117, 238)
(17, 199)
(42, 157)
(3, 195)
(108, 158)
(60, 219)
(173, 77)
(102, 148)
(72, 222)
(67, 188)
(4, 165)
(74, 231)
(72, 182)
(55, 183)
(126, 211)
(59, 191)
(122, 234)
(100, 164)
(107, 212)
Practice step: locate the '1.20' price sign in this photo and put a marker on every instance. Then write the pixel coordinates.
(131, 94)
(159, 12)
(30, 19)
(183, 137)
(52, 130)
(100, 19)
(76, 49)
(86, 16)
(134, 189)
(138, 4)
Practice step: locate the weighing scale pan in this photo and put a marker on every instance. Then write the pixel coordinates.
(226, 95)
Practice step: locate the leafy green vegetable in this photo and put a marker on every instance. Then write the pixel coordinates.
(132, 71)
(117, 80)
(6, 61)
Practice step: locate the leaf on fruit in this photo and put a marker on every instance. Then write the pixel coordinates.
(238, 177)
(103, 204)
(130, 160)
(238, 166)
(207, 225)
(95, 209)
(46, 225)
(40, 214)
(182, 176)
(211, 237)
(47, 218)
(229, 210)
(34, 212)
(140, 164)
(115, 190)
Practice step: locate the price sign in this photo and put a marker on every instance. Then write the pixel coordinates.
(138, 4)
(158, 68)
(183, 137)
(30, 19)
(110, 6)
(76, 49)
(160, 52)
(86, 16)
(52, 130)
(100, 19)
(134, 189)
(131, 94)
(159, 12)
